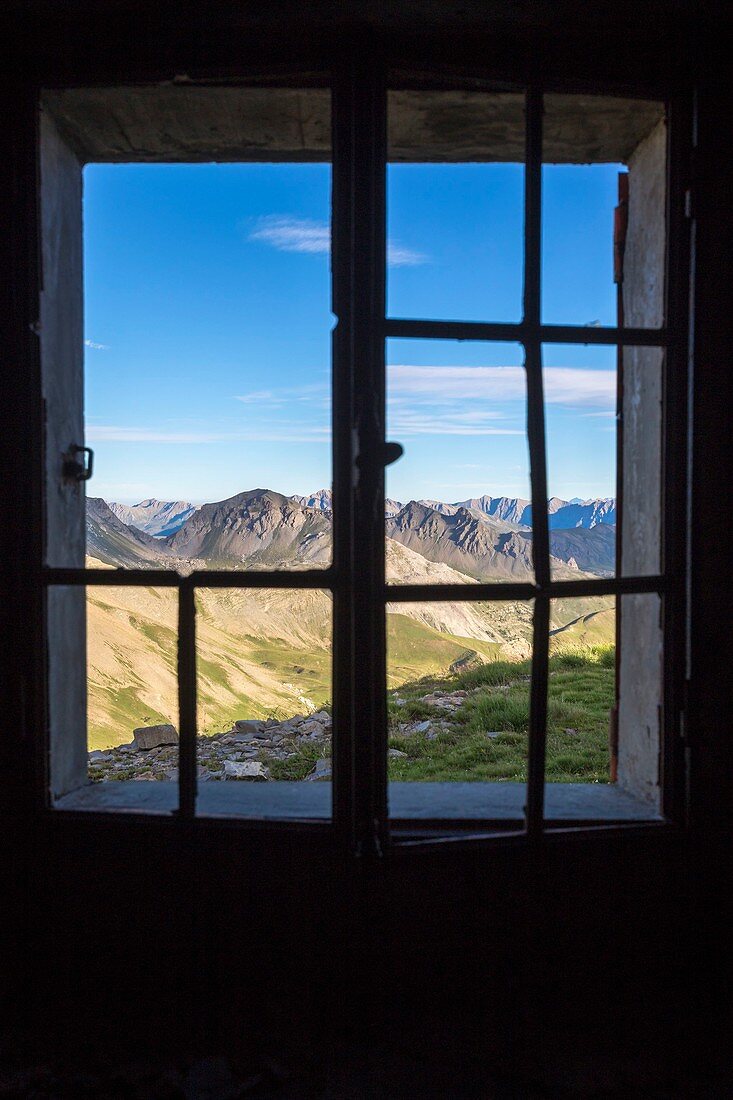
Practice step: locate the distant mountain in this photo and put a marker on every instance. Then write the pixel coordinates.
(510, 509)
(155, 517)
(593, 550)
(589, 514)
(116, 543)
(515, 510)
(468, 544)
(322, 501)
(259, 527)
(262, 528)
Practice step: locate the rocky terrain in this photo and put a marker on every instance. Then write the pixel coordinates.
(257, 751)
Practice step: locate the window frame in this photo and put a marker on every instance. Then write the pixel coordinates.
(356, 576)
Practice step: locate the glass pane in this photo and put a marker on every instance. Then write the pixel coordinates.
(603, 186)
(581, 689)
(457, 507)
(458, 677)
(580, 419)
(604, 705)
(207, 364)
(264, 701)
(132, 684)
(455, 204)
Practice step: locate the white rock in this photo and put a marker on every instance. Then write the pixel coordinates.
(246, 769)
(397, 753)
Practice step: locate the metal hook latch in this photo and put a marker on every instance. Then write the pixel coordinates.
(391, 452)
(73, 468)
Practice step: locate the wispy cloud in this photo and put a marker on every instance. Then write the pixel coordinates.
(290, 234)
(291, 432)
(95, 345)
(315, 394)
(400, 256)
(445, 418)
(563, 385)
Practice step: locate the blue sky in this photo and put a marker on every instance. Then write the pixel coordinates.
(208, 329)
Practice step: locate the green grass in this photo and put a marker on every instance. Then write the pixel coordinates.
(581, 694)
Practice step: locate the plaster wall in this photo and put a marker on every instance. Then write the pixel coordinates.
(62, 368)
(641, 623)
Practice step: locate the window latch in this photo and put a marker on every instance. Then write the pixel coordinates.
(391, 452)
(78, 469)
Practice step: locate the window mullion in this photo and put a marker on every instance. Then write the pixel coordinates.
(538, 464)
(359, 302)
(187, 692)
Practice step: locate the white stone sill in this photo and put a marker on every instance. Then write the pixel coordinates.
(290, 801)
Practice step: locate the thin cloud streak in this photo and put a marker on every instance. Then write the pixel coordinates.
(289, 234)
(563, 385)
(95, 345)
(282, 433)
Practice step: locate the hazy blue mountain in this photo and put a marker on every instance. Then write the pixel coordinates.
(155, 517)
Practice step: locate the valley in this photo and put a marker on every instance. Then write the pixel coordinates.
(266, 653)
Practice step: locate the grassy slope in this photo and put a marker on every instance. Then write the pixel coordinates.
(267, 652)
(581, 694)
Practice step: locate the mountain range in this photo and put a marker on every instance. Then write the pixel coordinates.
(265, 651)
(484, 538)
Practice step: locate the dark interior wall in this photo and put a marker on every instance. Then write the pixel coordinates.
(604, 950)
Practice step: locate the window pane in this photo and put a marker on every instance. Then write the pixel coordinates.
(604, 705)
(457, 507)
(603, 265)
(458, 678)
(581, 689)
(132, 685)
(207, 363)
(580, 418)
(455, 205)
(587, 445)
(264, 701)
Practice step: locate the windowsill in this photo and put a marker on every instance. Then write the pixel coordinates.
(290, 801)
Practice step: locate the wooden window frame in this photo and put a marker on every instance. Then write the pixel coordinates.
(356, 577)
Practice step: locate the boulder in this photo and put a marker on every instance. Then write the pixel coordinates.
(310, 727)
(149, 737)
(322, 770)
(248, 725)
(252, 770)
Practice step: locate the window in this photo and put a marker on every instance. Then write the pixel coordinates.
(480, 638)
